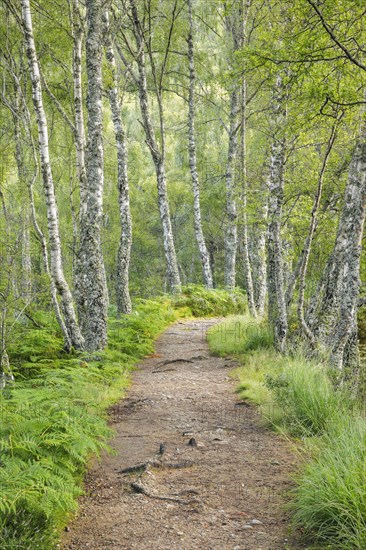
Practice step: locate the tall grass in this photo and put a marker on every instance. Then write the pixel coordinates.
(308, 401)
(329, 502)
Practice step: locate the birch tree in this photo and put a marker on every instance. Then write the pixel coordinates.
(352, 222)
(92, 279)
(204, 254)
(277, 313)
(231, 230)
(243, 168)
(56, 266)
(124, 250)
(157, 151)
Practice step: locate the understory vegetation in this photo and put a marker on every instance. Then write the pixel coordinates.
(55, 417)
(146, 148)
(297, 397)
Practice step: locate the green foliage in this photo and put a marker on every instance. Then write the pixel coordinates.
(249, 341)
(329, 502)
(55, 417)
(210, 303)
(306, 396)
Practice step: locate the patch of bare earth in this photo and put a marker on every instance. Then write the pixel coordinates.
(208, 475)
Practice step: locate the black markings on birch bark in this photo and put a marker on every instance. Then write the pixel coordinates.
(124, 250)
(92, 280)
(56, 266)
(204, 255)
(277, 312)
(305, 254)
(231, 231)
(352, 222)
(243, 173)
(157, 153)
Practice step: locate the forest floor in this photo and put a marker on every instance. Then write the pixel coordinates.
(211, 475)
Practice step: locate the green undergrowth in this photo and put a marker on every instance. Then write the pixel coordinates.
(55, 418)
(297, 397)
(206, 303)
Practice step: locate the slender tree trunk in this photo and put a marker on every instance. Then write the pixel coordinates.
(77, 30)
(26, 260)
(6, 375)
(332, 313)
(231, 232)
(305, 254)
(78, 35)
(157, 156)
(204, 255)
(352, 222)
(92, 279)
(277, 312)
(53, 290)
(245, 242)
(124, 250)
(18, 112)
(243, 169)
(258, 262)
(321, 314)
(233, 30)
(52, 213)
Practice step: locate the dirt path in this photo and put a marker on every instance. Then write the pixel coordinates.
(216, 478)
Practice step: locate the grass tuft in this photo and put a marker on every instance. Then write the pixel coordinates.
(329, 502)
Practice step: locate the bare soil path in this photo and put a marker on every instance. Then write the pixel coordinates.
(211, 477)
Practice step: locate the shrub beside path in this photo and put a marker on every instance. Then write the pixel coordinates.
(193, 466)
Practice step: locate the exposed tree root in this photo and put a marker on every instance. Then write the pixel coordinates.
(138, 488)
(143, 467)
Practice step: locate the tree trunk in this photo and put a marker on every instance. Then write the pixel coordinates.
(17, 114)
(157, 157)
(258, 243)
(78, 34)
(204, 255)
(92, 278)
(277, 313)
(243, 169)
(352, 223)
(124, 250)
(77, 30)
(52, 212)
(245, 243)
(26, 260)
(305, 254)
(231, 232)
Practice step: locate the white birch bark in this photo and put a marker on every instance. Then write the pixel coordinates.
(204, 255)
(245, 242)
(231, 230)
(352, 222)
(6, 374)
(305, 254)
(19, 109)
(78, 35)
(157, 156)
(56, 267)
(26, 259)
(124, 250)
(257, 246)
(243, 172)
(92, 280)
(277, 312)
